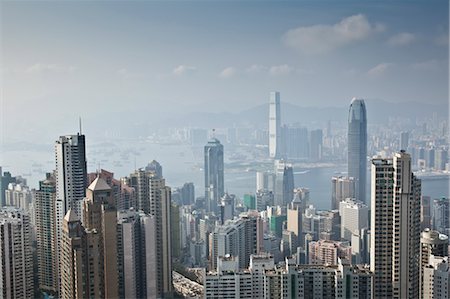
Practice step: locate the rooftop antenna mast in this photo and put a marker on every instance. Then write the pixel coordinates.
(213, 133)
(79, 120)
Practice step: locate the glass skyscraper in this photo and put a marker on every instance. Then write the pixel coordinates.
(214, 186)
(357, 146)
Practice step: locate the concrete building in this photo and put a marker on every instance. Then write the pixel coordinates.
(395, 228)
(315, 145)
(274, 125)
(325, 252)
(100, 215)
(16, 256)
(354, 217)
(214, 174)
(5, 179)
(46, 242)
(295, 221)
(341, 188)
(357, 146)
(436, 278)
(227, 207)
(264, 199)
(440, 215)
(239, 238)
(19, 196)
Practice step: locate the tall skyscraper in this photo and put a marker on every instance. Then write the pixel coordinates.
(354, 217)
(5, 179)
(71, 179)
(315, 145)
(395, 228)
(214, 178)
(284, 183)
(404, 140)
(357, 146)
(100, 215)
(47, 252)
(274, 125)
(16, 255)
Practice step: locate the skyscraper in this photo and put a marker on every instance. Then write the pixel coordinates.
(16, 255)
(357, 146)
(284, 183)
(214, 185)
(44, 207)
(395, 228)
(354, 217)
(341, 188)
(274, 125)
(71, 179)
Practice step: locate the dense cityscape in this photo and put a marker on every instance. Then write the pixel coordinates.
(224, 149)
(91, 235)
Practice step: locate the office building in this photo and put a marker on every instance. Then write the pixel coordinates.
(395, 228)
(214, 174)
(274, 125)
(341, 188)
(249, 201)
(264, 199)
(404, 141)
(5, 179)
(227, 207)
(154, 167)
(315, 145)
(295, 222)
(354, 217)
(16, 256)
(47, 252)
(425, 212)
(188, 194)
(284, 185)
(440, 215)
(357, 146)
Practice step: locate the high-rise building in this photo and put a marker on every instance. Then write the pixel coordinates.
(284, 184)
(71, 179)
(5, 179)
(18, 195)
(324, 252)
(214, 178)
(274, 125)
(136, 255)
(341, 188)
(295, 221)
(240, 237)
(47, 252)
(425, 212)
(188, 194)
(357, 146)
(264, 199)
(160, 209)
(354, 217)
(404, 140)
(315, 145)
(436, 278)
(440, 215)
(249, 201)
(395, 228)
(227, 207)
(100, 215)
(16, 255)
(154, 167)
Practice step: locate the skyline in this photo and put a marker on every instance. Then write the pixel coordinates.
(137, 59)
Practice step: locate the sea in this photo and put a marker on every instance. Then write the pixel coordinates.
(182, 163)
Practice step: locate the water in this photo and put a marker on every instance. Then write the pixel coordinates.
(181, 164)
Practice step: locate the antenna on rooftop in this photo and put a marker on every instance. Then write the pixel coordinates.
(213, 133)
(79, 120)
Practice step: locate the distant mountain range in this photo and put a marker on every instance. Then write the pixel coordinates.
(378, 111)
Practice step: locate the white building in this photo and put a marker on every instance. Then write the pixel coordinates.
(274, 125)
(436, 278)
(354, 217)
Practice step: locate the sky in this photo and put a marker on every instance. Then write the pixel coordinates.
(117, 61)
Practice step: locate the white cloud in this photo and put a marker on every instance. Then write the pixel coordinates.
(227, 72)
(256, 68)
(49, 68)
(379, 69)
(401, 39)
(430, 65)
(183, 69)
(324, 38)
(279, 70)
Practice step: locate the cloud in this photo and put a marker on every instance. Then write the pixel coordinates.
(325, 38)
(430, 65)
(256, 68)
(127, 74)
(40, 68)
(379, 69)
(228, 72)
(401, 39)
(183, 69)
(279, 70)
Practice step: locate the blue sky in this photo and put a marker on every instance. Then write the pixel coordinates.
(153, 58)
